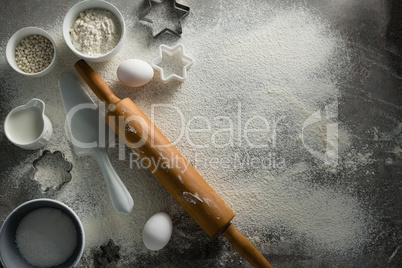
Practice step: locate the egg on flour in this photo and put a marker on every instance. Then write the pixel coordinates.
(157, 231)
(134, 72)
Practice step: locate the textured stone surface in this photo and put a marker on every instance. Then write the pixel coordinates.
(268, 66)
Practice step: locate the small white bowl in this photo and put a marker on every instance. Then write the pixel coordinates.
(15, 40)
(10, 255)
(73, 13)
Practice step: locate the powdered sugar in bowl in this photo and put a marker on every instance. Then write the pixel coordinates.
(41, 233)
(94, 30)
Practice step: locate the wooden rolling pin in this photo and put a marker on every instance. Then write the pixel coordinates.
(171, 169)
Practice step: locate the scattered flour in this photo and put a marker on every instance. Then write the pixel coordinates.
(328, 218)
(288, 66)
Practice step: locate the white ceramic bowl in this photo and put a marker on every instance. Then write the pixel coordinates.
(72, 15)
(15, 40)
(9, 254)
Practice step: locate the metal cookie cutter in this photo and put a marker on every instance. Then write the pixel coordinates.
(172, 63)
(51, 171)
(164, 16)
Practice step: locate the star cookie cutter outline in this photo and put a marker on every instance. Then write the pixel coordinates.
(108, 255)
(181, 10)
(170, 51)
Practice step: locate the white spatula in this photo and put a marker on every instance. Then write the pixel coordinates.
(89, 136)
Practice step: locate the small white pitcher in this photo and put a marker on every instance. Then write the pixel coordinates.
(27, 126)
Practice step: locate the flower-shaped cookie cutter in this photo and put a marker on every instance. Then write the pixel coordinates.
(172, 63)
(51, 171)
(164, 16)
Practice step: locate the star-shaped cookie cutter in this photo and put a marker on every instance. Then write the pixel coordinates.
(186, 62)
(164, 16)
(108, 256)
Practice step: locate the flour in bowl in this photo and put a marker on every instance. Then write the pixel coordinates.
(95, 32)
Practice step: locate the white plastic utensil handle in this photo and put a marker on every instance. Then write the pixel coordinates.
(121, 198)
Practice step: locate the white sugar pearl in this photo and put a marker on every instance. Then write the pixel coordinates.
(34, 53)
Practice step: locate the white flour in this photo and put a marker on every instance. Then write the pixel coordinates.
(95, 32)
(287, 67)
(46, 237)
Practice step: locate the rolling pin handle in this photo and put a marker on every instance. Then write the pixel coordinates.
(244, 246)
(96, 83)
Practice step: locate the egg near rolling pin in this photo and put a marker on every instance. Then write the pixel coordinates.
(157, 231)
(135, 72)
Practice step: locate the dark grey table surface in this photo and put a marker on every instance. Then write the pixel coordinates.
(347, 214)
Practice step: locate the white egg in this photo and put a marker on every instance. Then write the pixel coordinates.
(157, 231)
(135, 73)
